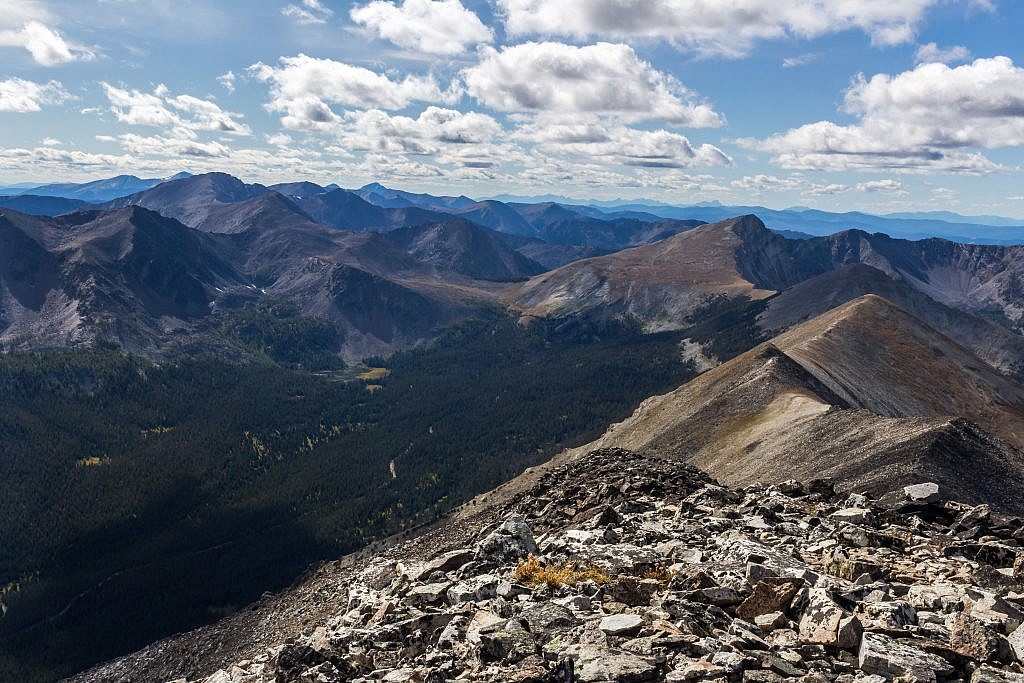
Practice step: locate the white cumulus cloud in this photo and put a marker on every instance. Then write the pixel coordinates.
(303, 88)
(715, 26)
(227, 80)
(884, 186)
(931, 118)
(603, 78)
(931, 52)
(440, 27)
(429, 133)
(20, 96)
(763, 183)
(596, 139)
(184, 115)
(47, 46)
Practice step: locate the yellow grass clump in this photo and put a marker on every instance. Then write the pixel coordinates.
(532, 573)
(374, 374)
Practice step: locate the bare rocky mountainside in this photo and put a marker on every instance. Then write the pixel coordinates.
(970, 292)
(834, 505)
(614, 566)
(151, 283)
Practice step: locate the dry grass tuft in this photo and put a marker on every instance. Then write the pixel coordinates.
(532, 573)
(660, 574)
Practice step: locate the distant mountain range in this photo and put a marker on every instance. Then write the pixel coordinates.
(544, 217)
(94, 191)
(158, 268)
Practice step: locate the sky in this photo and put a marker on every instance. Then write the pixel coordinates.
(875, 105)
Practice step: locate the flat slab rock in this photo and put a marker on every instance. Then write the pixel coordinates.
(595, 666)
(891, 658)
(622, 624)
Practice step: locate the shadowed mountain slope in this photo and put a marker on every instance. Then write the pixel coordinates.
(458, 246)
(127, 275)
(36, 205)
(194, 199)
(561, 224)
(548, 254)
(150, 283)
(346, 210)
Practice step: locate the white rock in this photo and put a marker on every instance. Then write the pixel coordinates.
(1016, 639)
(622, 624)
(852, 515)
(922, 493)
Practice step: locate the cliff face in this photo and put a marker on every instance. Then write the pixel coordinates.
(613, 566)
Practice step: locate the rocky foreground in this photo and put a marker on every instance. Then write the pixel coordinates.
(620, 567)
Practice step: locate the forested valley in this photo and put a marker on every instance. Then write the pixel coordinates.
(153, 498)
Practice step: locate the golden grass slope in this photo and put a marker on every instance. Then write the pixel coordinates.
(672, 279)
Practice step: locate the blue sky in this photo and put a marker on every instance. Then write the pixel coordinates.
(837, 104)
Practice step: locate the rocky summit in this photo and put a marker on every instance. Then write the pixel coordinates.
(616, 566)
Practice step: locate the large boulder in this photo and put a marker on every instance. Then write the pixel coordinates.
(771, 594)
(824, 622)
(890, 658)
(622, 624)
(510, 542)
(596, 665)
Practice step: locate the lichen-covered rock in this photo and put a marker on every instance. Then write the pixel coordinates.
(890, 658)
(604, 665)
(821, 619)
(990, 674)
(771, 594)
(973, 639)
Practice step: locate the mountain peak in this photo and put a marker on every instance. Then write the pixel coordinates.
(747, 225)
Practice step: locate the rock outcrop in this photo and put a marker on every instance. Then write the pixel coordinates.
(614, 566)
